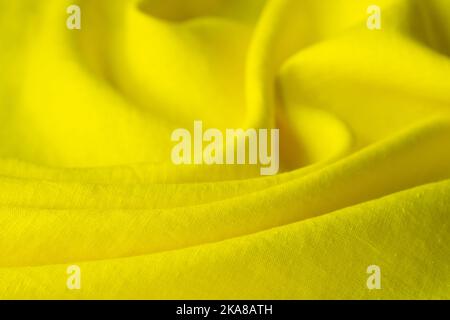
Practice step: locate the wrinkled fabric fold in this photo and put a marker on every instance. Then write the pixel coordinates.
(86, 176)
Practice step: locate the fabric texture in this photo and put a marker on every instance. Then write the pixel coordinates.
(86, 176)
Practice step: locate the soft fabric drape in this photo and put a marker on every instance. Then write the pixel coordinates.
(86, 176)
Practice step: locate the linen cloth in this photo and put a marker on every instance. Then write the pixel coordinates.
(86, 177)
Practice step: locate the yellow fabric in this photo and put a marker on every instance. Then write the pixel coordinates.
(86, 176)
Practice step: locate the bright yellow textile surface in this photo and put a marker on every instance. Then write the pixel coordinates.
(86, 175)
